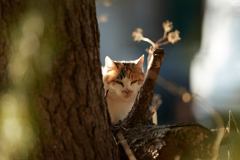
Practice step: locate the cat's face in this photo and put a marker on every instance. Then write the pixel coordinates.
(123, 79)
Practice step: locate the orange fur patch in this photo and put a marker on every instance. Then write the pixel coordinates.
(112, 74)
(132, 73)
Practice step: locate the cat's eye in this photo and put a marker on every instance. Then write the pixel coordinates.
(119, 82)
(133, 82)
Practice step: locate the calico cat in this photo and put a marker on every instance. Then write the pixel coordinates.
(122, 81)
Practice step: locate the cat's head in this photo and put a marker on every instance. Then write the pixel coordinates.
(123, 79)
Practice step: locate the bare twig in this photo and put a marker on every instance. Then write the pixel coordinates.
(161, 39)
(125, 146)
(172, 37)
(228, 128)
(149, 41)
(156, 102)
(229, 156)
(232, 118)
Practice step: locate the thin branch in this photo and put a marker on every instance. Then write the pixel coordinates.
(155, 119)
(156, 102)
(230, 113)
(161, 44)
(161, 39)
(125, 146)
(149, 41)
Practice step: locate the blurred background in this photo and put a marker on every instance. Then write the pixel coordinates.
(124, 16)
(205, 62)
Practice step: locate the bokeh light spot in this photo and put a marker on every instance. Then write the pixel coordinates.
(186, 97)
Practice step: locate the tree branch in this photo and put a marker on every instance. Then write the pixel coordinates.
(152, 142)
(139, 112)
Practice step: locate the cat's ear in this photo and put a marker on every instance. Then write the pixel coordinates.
(109, 63)
(139, 62)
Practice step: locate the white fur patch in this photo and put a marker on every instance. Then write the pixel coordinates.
(120, 103)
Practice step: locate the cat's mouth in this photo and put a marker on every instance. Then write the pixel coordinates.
(127, 93)
(127, 96)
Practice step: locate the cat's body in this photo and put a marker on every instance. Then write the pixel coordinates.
(122, 80)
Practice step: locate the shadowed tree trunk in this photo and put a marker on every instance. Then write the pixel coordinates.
(72, 108)
(75, 123)
(10, 11)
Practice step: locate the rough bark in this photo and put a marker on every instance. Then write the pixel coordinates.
(76, 123)
(72, 108)
(189, 141)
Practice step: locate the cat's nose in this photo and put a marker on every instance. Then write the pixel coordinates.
(127, 91)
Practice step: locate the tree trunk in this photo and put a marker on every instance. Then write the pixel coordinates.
(8, 17)
(72, 108)
(76, 123)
